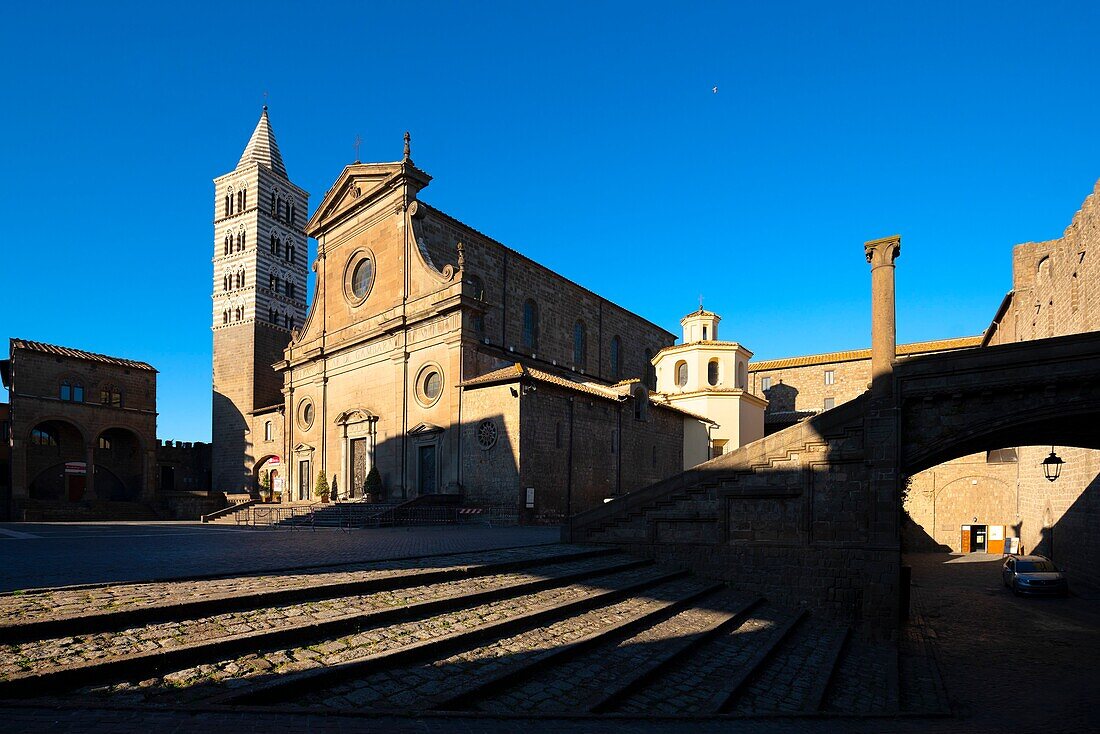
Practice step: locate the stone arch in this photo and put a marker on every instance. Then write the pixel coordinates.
(119, 464)
(46, 464)
(1057, 424)
(272, 465)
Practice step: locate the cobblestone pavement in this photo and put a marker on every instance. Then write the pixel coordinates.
(43, 655)
(789, 676)
(569, 687)
(862, 683)
(57, 554)
(419, 687)
(27, 607)
(1009, 663)
(195, 683)
(689, 686)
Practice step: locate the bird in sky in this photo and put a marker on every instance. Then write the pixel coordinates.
(714, 89)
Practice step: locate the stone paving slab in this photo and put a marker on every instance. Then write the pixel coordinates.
(420, 686)
(861, 684)
(86, 553)
(212, 679)
(51, 654)
(30, 606)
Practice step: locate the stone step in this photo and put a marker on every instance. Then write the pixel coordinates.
(593, 681)
(700, 684)
(60, 664)
(191, 599)
(600, 592)
(458, 681)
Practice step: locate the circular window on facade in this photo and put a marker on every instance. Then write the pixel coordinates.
(305, 414)
(486, 434)
(359, 276)
(429, 384)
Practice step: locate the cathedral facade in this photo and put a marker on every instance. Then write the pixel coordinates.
(411, 309)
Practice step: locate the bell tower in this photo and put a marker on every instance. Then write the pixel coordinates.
(259, 297)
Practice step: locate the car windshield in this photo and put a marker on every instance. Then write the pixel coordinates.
(1034, 566)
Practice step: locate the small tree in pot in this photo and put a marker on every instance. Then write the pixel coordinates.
(321, 490)
(265, 486)
(373, 485)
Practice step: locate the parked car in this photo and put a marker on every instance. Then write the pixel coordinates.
(1033, 575)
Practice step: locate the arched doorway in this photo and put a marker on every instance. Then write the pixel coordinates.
(57, 461)
(118, 465)
(269, 480)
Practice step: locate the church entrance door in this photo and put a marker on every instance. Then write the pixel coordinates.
(426, 469)
(358, 466)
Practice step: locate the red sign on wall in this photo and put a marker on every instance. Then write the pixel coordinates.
(76, 467)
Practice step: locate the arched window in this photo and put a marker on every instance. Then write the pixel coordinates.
(289, 289)
(244, 278)
(580, 344)
(616, 358)
(530, 324)
(712, 372)
(267, 431)
(289, 252)
(274, 202)
(228, 199)
(477, 287)
(244, 199)
(272, 282)
(43, 437)
(293, 214)
(742, 376)
(681, 373)
(110, 395)
(104, 443)
(274, 244)
(72, 392)
(287, 321)
(225, 316)
(227, 238)
(272, 317)
(244, 240)
(225, 282)
(240, 201)
(650, 371)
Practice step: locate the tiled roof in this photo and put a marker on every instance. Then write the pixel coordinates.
(615, 392)
(516, 371)
(262, 148)
(940, 345)
(78, 354)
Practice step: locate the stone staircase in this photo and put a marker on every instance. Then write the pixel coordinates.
(533, 631)
(791, 516)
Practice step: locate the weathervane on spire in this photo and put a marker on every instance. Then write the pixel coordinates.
(700, 303)
(358, 142)
(408, 147)
(265, 99)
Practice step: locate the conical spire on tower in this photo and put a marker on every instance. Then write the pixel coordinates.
(263, 149)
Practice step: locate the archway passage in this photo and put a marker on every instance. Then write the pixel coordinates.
(118, 465)
(56, 461)
(269, 480)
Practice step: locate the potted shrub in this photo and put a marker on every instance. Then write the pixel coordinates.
(265, 487)
(321, 489)
(373, 486)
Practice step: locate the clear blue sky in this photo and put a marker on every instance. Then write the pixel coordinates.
(585, 135)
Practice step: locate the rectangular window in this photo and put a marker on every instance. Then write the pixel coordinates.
(66, 391)
(267, 431)
(830, 403)
(765, 384)
(1001, 456)
(830, 377)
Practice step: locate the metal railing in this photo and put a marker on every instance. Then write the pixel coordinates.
(272, 516)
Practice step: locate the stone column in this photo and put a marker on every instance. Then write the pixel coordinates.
(881, 254)
(89, 479)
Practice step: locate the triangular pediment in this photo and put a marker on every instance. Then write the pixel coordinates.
(359, 185)
(421, 428)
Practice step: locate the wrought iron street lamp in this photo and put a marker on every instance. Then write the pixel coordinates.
(1052, 466)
